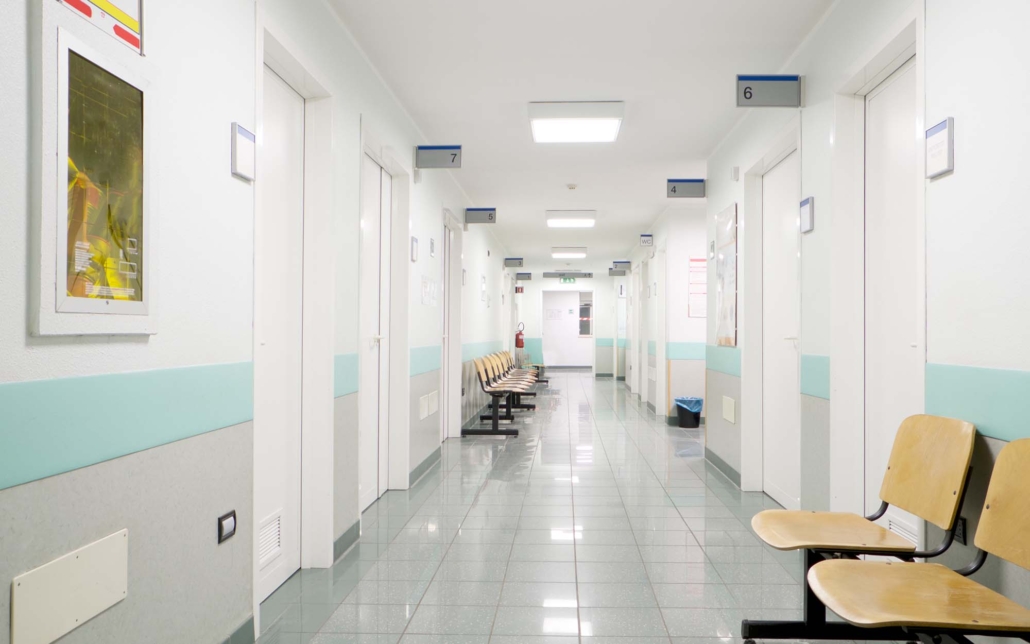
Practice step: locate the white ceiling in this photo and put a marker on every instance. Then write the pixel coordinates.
(466, 70)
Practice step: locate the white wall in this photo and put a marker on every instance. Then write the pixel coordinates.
(602, 286)
(687, 239)
(563, 346)
(978, 268)
(204, 308)
(844, 34)
(483, 256)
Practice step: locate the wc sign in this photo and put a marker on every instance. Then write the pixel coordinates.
(647, 240)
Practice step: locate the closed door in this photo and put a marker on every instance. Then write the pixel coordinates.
(373, 343)
(278, 280)
(894, 362)
(781, 323)
(562, 344)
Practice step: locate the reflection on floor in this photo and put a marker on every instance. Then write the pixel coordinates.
(598, 523)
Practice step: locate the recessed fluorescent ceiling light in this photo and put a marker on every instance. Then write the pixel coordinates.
(576, 122)
(571, 218)
(568, 253)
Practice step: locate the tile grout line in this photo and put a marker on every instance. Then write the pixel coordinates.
(650, 584)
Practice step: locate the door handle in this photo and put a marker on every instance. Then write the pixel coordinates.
(791, 338)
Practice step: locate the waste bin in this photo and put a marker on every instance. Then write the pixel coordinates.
(689, 411)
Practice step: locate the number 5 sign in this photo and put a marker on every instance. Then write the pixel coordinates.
(768, 91)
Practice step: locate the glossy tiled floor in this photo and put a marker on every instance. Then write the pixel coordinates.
(599, 523)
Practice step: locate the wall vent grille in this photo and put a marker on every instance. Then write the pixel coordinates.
(270, 539)
(902, 530)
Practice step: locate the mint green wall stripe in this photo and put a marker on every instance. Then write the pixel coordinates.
(48, 427)
(723, 359)
(621, 343)
(815, 376)
(995, 400)
(604, 342)
(535, 350)
(345, 374)
(652, 347)
(425, 359)
(477, 349)
(685, 350)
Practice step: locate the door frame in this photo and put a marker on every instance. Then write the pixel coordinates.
(749, 323)
(452, 387)
(318, 315)
(847, 237)
(593, 336)
(399, 361)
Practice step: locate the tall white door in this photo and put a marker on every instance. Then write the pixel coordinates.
(278, 281)
(562, 344)
(445, 372)
(894, 369)
(781, 324)
(373, 343)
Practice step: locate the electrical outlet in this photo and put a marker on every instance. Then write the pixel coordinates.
(462, 391)
(960, 530)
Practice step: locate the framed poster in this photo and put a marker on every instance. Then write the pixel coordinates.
(95, 275)
(726, 277)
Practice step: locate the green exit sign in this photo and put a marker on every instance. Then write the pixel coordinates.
(568, 280)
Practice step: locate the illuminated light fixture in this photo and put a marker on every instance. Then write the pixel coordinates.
(576, 122)
(571, 218)
(569, 252)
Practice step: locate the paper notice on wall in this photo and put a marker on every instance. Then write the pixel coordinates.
(697, 288)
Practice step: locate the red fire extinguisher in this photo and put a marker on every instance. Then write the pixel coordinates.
(520, 337)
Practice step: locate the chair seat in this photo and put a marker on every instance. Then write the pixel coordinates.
(874, 594)
(836, 531)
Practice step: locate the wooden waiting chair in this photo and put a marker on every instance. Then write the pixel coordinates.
(926, 475)
(497, 393)
(929, 600)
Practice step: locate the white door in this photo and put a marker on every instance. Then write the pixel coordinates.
(781, 324)
(373, 344)
(562, 344)
(445, 372)
(278, 281)
(894, 373)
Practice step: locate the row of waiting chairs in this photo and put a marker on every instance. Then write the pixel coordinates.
(505, 384)
(904, 600)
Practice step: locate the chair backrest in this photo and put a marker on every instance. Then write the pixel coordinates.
(1005, 520)
(480, 370)
(928, 466)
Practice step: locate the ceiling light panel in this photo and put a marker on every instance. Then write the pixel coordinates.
(576, 122)
(568, 252)
(571, 218)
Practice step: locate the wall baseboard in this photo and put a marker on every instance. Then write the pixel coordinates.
(423, 467)
(603, 375)
(242, 635)
(346, 540)
(623, 378)
(723, 466)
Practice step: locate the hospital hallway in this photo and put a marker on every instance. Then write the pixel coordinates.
(599, 521)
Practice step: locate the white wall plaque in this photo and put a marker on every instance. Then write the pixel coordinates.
(647, 240)
(808, 215)
(940, 148)
(244, 152)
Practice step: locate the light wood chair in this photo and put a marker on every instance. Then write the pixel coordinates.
(930, 600)
(926, 475)
(497, 393)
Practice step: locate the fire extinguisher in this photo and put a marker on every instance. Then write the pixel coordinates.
(520, 337)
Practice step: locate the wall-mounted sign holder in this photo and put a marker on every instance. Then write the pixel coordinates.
(758, 90)
(480, 216)
(613, 272)
(513, 262)
(647, 240)
(564, 274)
(622, 266)
(244, 152)
(808, 215)
(523, 277)
(940, 149)
(433, 157)
(685, 188)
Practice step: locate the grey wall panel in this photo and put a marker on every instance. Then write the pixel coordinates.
(622, 362)
(183, 586)
(345, 464)
(686, 378)
(815, 453)
(723, 437)
(1006, 578)
(603, 360)
(424, 433)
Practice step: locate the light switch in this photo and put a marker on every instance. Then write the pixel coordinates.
(226, 526)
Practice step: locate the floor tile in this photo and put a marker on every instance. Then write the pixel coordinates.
(622, 622)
